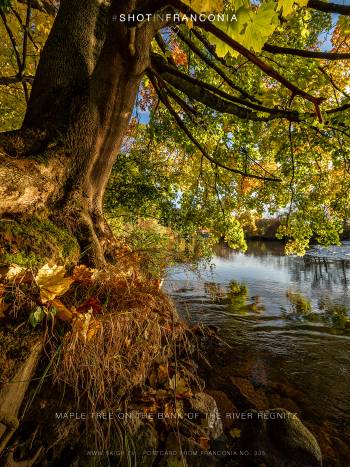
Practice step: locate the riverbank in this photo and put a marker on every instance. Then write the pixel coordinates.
(129, 385)
(134, 381)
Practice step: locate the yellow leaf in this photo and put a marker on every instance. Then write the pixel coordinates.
(14, 272)
(52, 282)
(180, 387)
(86, 325)
(205, 6)
(235, 433)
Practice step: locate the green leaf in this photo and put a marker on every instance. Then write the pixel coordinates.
(259, 29)
(37, 316)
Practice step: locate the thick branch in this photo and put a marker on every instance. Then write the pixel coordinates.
(212, 64)
(6, 80)
(267, 69)
(275, 49)
(329, 7)
(211, 96)
(45, 6)
(163, 47)
(211, 49)
(163, 97)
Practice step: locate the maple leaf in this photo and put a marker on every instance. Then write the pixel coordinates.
(261, 26)
(92, 303)
(287, 6)
(205, 6)
(180, 387)
(63, 313)
(51, 281)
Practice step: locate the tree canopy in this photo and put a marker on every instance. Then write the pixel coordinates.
(242, 111)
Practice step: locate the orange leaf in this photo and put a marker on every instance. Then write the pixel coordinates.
(63, 313)
(92, 303)
(204, 442)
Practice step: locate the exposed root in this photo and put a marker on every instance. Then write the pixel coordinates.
(12, 395)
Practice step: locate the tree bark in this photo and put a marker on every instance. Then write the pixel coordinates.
(79, 109)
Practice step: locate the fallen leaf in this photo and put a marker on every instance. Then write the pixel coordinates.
(14, 272)
(163, 394)
(52, 282)
(83, 274)
(93, 328)
(235, 433)
(63, 313)
(180, 387)
(204, 442)
(86, 325)
(92, 303)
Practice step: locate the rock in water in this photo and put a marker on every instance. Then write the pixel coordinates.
(278, 438)
(205, 405)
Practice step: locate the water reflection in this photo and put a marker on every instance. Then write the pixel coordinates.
(286, 319)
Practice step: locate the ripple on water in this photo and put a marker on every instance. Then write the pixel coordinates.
(263, 328)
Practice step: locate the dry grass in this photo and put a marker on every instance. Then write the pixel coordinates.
(120, 355)
(140, 351)
(139, 330)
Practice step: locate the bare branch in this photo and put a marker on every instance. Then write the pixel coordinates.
(19, 19)
(12, 40)
(212, 64)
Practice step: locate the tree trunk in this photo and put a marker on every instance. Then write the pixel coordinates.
(82, 98)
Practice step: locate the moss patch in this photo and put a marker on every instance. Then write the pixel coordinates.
(32, 242)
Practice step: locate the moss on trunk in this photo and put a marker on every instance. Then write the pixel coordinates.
(32, 242)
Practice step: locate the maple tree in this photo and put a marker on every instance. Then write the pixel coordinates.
(261, 113)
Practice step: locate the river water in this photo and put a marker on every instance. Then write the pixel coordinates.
(286, 319)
